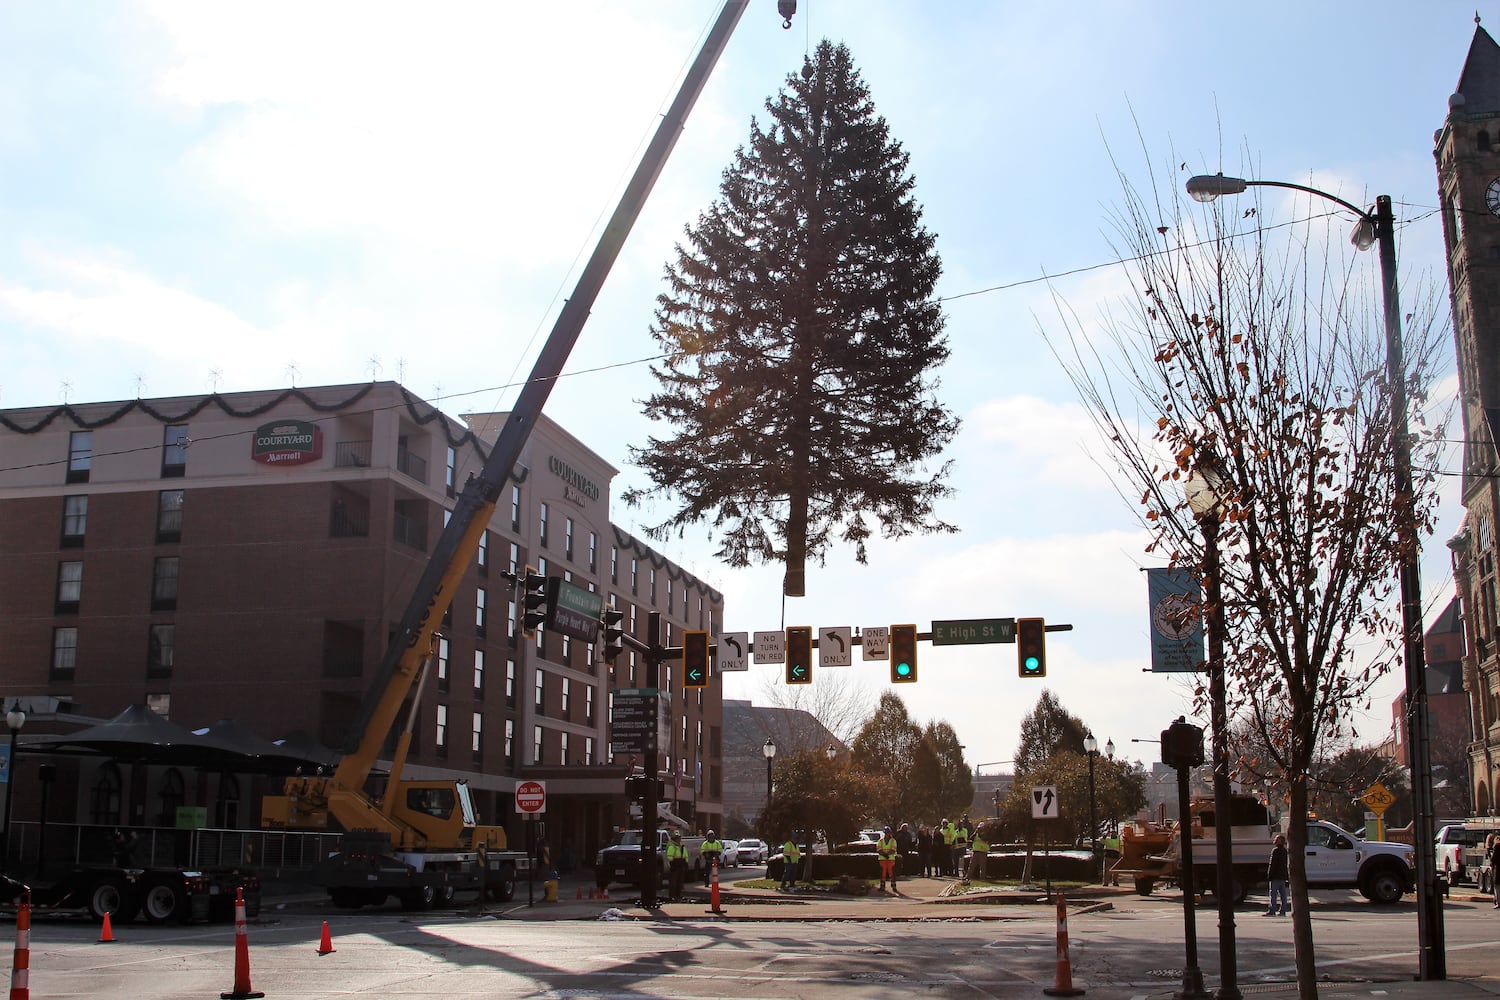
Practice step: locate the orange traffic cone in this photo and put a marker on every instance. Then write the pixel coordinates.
(580, 892)
(326, 945)
(603, 893)
(242, 990)
(20, 970)
(1064, 987)
(106, 932)
(714, 891)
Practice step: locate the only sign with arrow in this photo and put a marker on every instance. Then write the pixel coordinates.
(733, 652)
(834, 646)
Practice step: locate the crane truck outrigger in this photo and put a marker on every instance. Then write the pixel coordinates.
(420, 841)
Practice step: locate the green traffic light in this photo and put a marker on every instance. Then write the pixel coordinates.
(1031, 664)
(903, 669)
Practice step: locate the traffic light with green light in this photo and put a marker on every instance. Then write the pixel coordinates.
(1031, 647)
(903, 644)
(695, 656)
(799, 653)
(534, 591)
(614, 633)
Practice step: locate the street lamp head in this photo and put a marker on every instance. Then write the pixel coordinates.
(832, 751)
(1109, 749)
(15, 718)
(1207, 187)
(1090, 745)
(1364, 234)
(769, 748)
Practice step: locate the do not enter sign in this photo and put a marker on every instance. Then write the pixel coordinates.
(531, 797)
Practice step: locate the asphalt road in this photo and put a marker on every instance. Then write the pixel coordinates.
(1132, 948)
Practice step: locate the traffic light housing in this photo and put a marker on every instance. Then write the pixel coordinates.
(903, 643)
(1031, 647)
(614, 633)
(695, 658)
(799, 654)
(534, 599)
(1182, 745)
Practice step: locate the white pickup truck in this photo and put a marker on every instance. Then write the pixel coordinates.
(1335, 859)
(1455, 852)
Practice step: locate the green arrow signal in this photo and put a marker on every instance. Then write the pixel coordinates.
(799, 670)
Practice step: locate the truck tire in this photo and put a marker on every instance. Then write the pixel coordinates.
(444, 896)
(161, 904)
(418, 899)
(505, 890)
(1144, 885)
(1384, 886)
(110, 895)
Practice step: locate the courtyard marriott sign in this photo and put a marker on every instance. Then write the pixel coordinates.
(287, 442)
(577, 486)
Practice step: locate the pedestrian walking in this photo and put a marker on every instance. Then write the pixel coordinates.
(1278, 875)
(924, 850)
(791, 860)
(885, 849)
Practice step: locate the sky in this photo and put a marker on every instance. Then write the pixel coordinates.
(231, 197)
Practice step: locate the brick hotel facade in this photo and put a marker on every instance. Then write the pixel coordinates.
(246, 556)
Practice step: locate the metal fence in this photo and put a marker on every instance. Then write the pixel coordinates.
(272, 852)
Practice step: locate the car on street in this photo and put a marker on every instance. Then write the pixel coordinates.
(731, 856)
(752, 851)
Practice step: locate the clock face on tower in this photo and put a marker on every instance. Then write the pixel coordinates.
(1492, 196)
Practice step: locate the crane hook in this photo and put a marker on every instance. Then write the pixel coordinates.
(786, 8)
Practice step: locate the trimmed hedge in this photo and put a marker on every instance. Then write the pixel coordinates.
(1072, 866)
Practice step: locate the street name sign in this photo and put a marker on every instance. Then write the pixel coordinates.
(575, 611)
(970, 631)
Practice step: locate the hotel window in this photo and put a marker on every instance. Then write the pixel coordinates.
(510, 622)
(440, 738)
(588, 749)
(164, 584)
(515, 557)
(80, 456)
(634, 578)
(479, 611)
(567, 698)
(541, 692)
(568, 538)
(669, 596)
(483, 556)
(542, 520)
(159, 650)
(563, 741)
(442, 663)
(510, 683)
(510, 741)
(588, 704)
(567, 650)
(478, 672)
(515, 511)
(536, 744)
(614, 564)
(69, 586)
(451, 472)
(593, 551)
(75, 520)
(653, 584)
(169, 516)
(64, 653)
(478, 743)
(174, 446)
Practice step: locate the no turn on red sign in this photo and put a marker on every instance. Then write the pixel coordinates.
(531, 797)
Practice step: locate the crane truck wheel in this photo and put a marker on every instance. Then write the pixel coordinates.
(445, 895)
(420, 898)
(163, 904)
(505, 890)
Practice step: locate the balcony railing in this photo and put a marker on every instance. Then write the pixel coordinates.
(413, 465)
(351, 454)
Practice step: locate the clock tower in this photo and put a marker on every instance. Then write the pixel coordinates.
(1467, 149)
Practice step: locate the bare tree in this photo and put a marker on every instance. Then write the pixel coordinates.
(834, 699)
(1256, 351)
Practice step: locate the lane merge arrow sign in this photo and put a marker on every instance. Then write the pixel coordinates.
(1044, 802)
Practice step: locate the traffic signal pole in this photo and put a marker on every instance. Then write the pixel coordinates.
(651, 803)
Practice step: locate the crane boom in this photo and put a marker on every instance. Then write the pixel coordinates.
(343, 795)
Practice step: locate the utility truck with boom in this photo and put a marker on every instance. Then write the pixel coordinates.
(420, 840)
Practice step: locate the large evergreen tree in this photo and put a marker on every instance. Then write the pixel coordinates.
(799, 331)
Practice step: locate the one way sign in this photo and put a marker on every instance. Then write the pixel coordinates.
(1044, 802)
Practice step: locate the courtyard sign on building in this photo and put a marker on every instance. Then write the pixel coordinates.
(287, 442)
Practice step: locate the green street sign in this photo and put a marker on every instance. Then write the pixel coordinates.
(971, 631)
(575, 611)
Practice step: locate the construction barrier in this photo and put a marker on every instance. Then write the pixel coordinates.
(20, 969)
(325, 946)
(106, 930)
(242, 989)
(1064, 987)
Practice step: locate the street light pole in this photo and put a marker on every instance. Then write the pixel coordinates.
(1379, 227)
(14, 720)
(1091, 747)
(769, 749)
